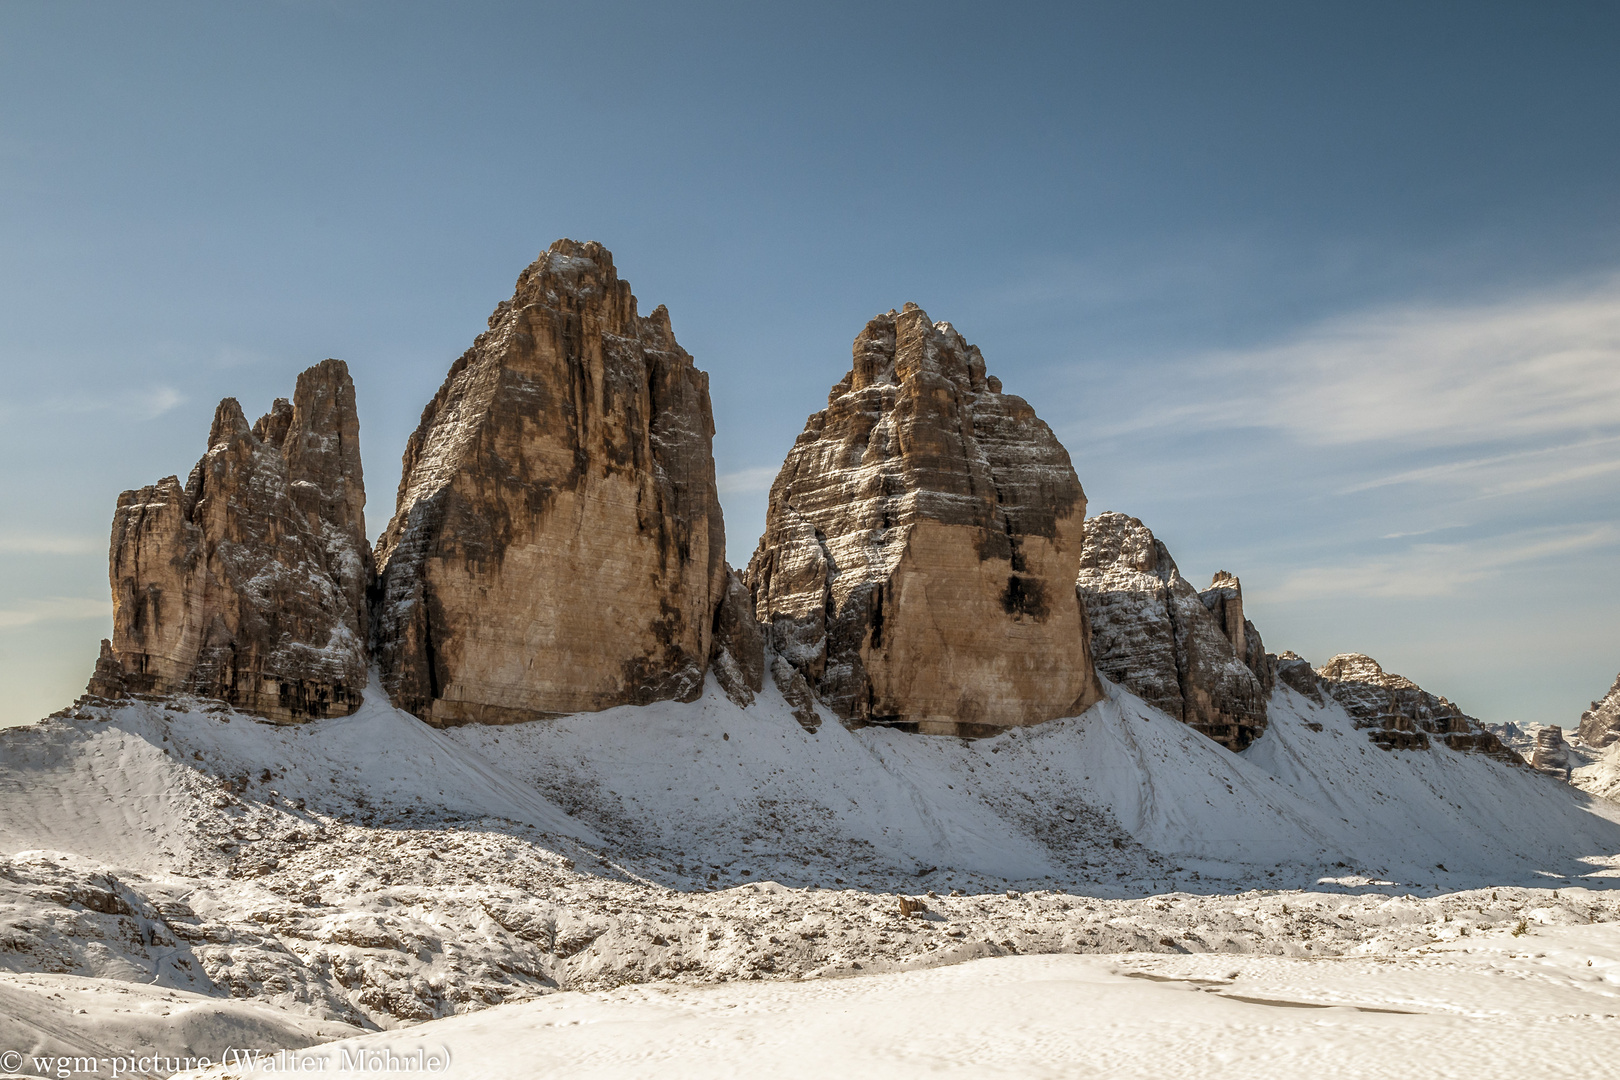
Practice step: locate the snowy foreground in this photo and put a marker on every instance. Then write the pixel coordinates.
(1106, 895)
(1488, 1008)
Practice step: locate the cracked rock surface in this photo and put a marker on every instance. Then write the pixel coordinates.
(1600, 725)
(1191, 654)
(920, 545)
(248, 584)
(1399, 714)
(557, 544)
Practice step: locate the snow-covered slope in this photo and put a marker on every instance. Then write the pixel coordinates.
(1046, 803)
(1601, 777)
(130, 785)
(374, 871)
(692, 790)
(72, 1016)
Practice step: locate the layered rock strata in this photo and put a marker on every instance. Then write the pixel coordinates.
(1398, 713)
(921, 543)
(249, 582)
(557, 545)
(1190, 654)
(1552, 753)
(1600, 725)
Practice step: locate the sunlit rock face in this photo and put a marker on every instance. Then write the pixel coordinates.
(249, 582)
(1191, 654)
(557, 545)
(921, 545)
(1399, 714)
(1552, 754)
(1600, 725)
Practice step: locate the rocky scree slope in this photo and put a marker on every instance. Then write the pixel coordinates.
(920, 545)
(248, 584)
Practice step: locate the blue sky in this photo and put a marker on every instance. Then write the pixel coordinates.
(1329, 295)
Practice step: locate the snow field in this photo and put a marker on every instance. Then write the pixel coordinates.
(1499, 1009)
(374, 873)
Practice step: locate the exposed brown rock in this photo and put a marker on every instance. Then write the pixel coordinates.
(737, 653)
(921, 542)
(107, 681)
(1191, 655)
(1552, 753)
(557, 545)
(1401, 715)
(1295, 671)
(1224, 599)
(249, 583)
(1600, 725)
(796, 692)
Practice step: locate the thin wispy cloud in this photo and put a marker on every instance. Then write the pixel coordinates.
(53, 609)
(1445, 376)
(157, 401)
(50, 544)
(1450, 470)
(1421, 532)
(747, 481)
(1435, 570)
(146, 403)
(1430, 376)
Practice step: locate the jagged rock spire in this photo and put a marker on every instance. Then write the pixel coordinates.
(921, 544)
(557, 544)
(249, 583)
(1600, 725)
(1191, 654)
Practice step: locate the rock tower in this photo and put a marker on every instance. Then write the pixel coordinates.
(1190, 653)
(249, 582)
(557, 544)
(921, 545)
(1600, 725)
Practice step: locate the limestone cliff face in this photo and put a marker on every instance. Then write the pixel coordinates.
(737, 652)
(1398, 713)
(1224, 599)
(1293, 670)
(921, 543)
(1552, 754)
(249, 583)
(1192, 655)
(1600, 725)
(557, 545)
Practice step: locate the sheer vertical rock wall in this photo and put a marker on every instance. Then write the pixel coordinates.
(557, 544)
(249, 582)
(921, 544)
(1600, 725)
